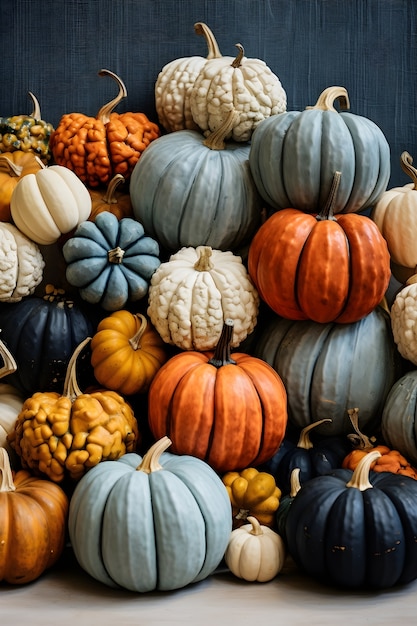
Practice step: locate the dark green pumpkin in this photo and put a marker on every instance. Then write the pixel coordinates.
(330, 368)
(42, 334)
(294, 155)
(187, 194)
(355, 532)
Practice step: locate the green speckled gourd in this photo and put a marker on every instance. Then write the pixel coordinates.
(294, 155)
(111, 262)
(159, 522)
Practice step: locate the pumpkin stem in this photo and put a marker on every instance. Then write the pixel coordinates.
(7, 166)
(256, 527)
(104, 114)
(116, 255)
(36, 113)
(295, 484)
(150, 461)
(204, 263)
(71, 388)
(222, 352)
(111, 188)
(135, 340)
(6, 476)
(327, 212)
(216, 140)
(407, 166)
(238, 60)
(10, 364)
(304, 440)
(213, 49)
(242, 514)
(359, 440)
(360, 476)
(326, 99)
(411, 280)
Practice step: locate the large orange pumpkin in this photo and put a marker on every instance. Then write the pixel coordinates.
(33, 523)
(97, 148)
(229, 410)
(320, 267)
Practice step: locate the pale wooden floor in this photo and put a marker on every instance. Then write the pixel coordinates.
(67, 596)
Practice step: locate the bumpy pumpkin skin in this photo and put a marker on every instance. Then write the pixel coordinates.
(214, 201)
(156, 529)
(33, 526)
(294, 155)
(330, 368)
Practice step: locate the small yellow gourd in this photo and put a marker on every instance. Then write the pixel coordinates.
(255, 552)
(252, 493)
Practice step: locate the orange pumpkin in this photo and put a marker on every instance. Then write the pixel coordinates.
(228, 410)
(320, 267)
(33, 524)
(389, 461)
(126, 352)
(114, 199)
(13, 166)
(97, 148)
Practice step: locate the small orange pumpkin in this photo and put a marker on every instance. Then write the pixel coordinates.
(13, 166)
(114, 199)
(230, 411)
(126, 352)
(389, 461)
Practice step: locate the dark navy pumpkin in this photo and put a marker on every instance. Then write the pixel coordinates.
(355, 529)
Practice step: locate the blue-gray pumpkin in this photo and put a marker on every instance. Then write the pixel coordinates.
(294, 156)
(111, 262)
(188, 191)
(157, 522)
(399, 416)
(330, 368)
(355, 529)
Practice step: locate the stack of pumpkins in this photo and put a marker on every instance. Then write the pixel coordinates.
(198, 312)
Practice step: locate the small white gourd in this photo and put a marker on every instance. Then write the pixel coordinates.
(255, 552)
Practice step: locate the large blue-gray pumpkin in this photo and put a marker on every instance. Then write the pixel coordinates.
(330, 368)
(294, 156)
(189, 191)
(157, 522)
(111, 262)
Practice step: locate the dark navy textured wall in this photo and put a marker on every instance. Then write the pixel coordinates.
(55, 48)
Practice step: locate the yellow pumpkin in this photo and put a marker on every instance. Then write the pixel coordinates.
(126, 352)
(13, 166)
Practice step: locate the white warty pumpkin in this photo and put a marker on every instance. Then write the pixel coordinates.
(192, 294)
(404, 320)
(21, 264)
(247, 86)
